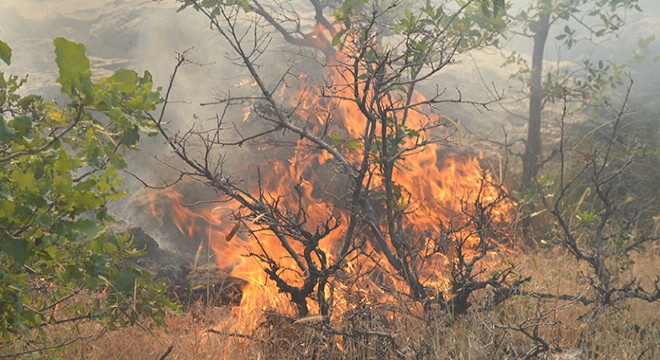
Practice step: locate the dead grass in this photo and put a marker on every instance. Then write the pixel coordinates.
(395, 332)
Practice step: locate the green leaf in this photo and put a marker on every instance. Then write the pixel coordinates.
(148, 128)
(87, 227)
(337, 38)
(29, 100)
(25, 180)
(125, 80)
(124, 281)
(74, 67)
(22, 123)
(146, 78)
(63, 163)
(6, 133)
(130, 137)
(116, 161)
(5, 52)
(6, 209)
(19, 249)
(485, 8)
(51, 251)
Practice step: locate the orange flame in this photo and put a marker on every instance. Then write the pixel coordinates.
(434, 190)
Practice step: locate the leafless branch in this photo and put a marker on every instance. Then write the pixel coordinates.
(50, 347)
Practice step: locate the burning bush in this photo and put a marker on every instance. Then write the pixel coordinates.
(366, 206)
(357, 205)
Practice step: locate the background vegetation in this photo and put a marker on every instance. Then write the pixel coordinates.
(584, 285)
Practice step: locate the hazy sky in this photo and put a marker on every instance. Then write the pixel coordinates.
(141, 34)
(155, 30)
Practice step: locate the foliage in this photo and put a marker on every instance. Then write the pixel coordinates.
(597, 216)
(590, 83)
(59, 168)
(475, 23)
(594, 22)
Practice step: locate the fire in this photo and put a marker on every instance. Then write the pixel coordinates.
(434, 191)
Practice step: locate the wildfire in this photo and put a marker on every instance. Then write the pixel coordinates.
(434, 191)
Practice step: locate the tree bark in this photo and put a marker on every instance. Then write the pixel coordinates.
(533, 143)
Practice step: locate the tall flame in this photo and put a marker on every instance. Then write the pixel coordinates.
(434, 190)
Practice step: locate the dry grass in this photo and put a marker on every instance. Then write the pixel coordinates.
(394, 331)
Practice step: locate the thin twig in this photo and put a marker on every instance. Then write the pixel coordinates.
(239, 335)
(52, 141)
(62, 344)
(167, 352)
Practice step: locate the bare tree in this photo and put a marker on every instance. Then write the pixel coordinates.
(385, 55)
(591, 223)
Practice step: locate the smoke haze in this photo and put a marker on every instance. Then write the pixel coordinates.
(146, 35)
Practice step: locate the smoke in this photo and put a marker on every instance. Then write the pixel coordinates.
(147, 35)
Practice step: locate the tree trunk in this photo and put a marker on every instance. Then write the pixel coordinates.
(533, 143)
